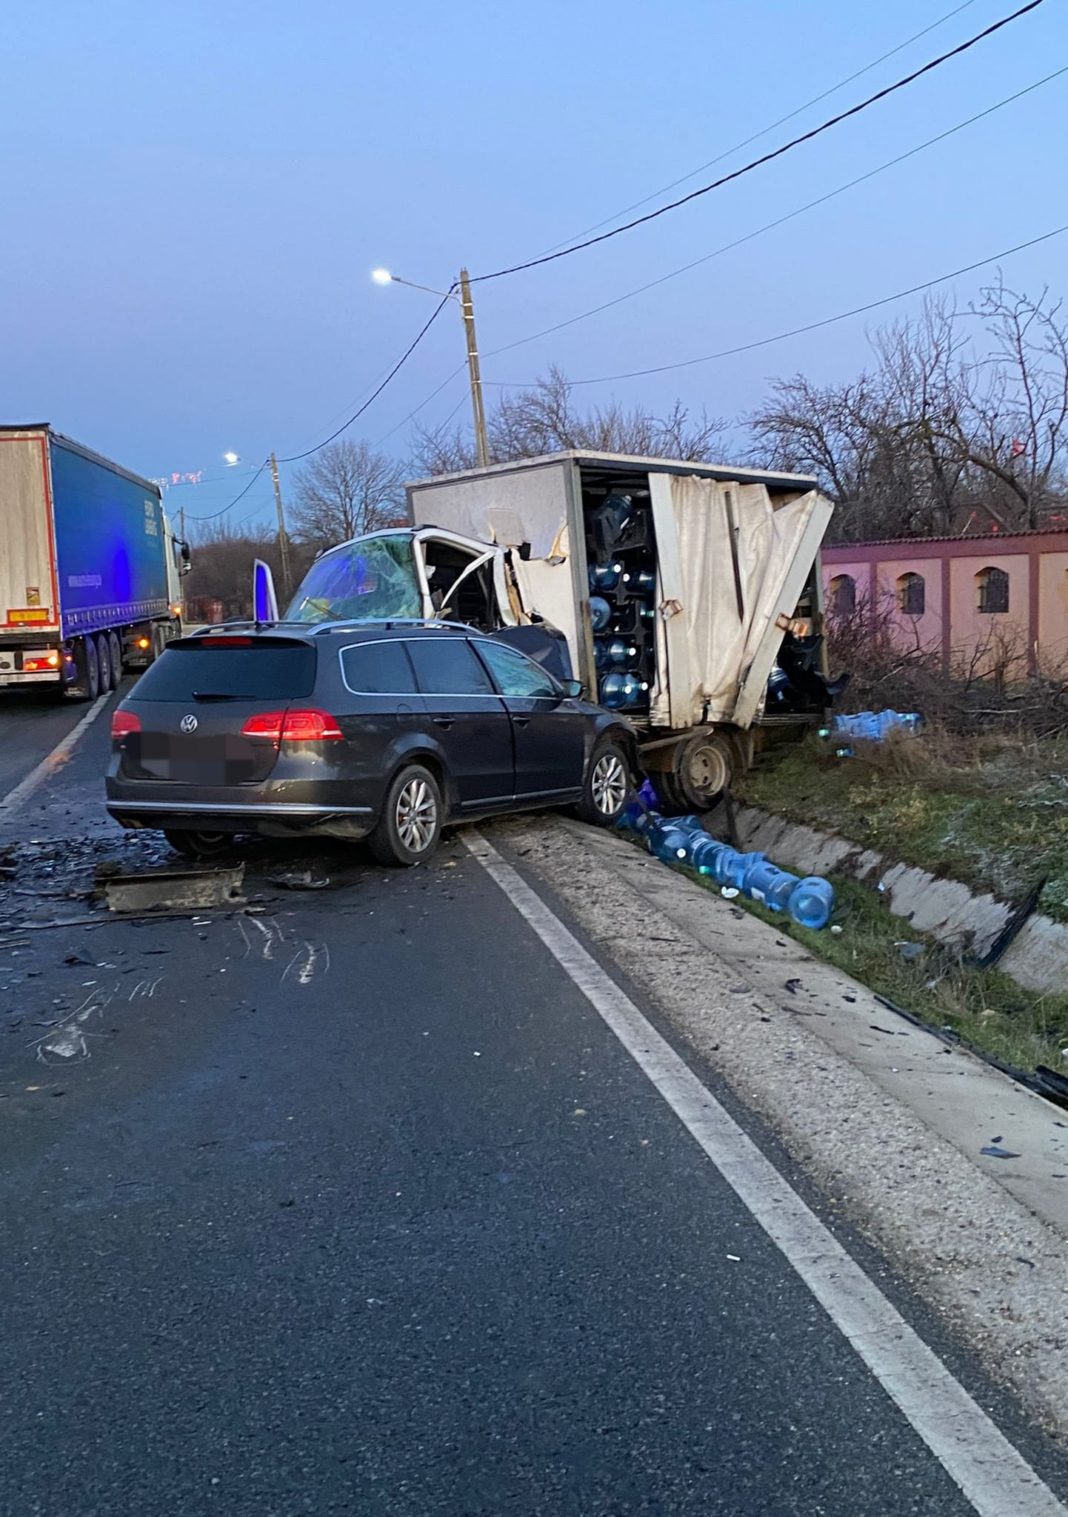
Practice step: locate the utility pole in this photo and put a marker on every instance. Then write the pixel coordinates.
(283, 538)
(468, 310)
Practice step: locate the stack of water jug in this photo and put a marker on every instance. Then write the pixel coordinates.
(622, 610)
(682, 840)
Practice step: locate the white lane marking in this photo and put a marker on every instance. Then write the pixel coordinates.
(992, 1474)
(59, 756)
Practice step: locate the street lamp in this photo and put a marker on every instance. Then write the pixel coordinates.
(467, 311)
(231, 458)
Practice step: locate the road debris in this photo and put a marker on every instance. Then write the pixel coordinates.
(174, 889)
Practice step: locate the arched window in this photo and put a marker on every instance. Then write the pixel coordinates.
(993, 587)
(911, 594)
(843, 588)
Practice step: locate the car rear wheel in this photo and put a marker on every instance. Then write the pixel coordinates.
(605, 790)
(410, 825)
(198, 845)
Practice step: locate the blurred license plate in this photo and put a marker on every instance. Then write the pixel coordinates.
(201, 760)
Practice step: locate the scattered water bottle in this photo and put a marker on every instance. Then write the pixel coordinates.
(811, 902)
(600, 613)
(873, 726)
(668, 842)
(704, 851)
(771, 886)
(619, 691)
(605, 576)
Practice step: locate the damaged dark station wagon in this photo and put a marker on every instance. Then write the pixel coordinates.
(385, 731)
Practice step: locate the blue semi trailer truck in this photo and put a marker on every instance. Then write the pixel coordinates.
(90, 571)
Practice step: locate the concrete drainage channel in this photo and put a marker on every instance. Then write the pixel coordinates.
(1026, 945)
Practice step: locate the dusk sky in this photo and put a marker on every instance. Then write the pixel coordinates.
(196, 194)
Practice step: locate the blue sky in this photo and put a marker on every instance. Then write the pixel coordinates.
(195, 195)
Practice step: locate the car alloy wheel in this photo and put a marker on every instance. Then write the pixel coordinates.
(416, 815)
(609, 783)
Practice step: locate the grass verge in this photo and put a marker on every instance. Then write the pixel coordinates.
(984, 1008)
(991, 812)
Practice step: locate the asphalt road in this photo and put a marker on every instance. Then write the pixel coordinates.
(356, 1206)
(31, 724)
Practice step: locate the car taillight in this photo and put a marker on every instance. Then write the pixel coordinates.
(310, 727)
(293, 727)
(123, 723)
(265, 724)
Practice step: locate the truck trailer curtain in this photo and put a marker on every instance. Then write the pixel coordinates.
(722, 638)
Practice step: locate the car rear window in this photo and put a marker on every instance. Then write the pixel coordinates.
(379, 668)
(447, 666)
(264, 671)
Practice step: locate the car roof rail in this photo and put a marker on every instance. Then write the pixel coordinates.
(387, 623)
(244, 625)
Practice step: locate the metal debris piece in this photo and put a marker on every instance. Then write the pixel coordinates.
(176, 889)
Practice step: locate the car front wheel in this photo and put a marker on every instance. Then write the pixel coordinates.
(606, 785)
(410, 825)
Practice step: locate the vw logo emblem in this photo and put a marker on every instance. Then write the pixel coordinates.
(189, 723)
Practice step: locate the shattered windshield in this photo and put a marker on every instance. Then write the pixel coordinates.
(369, 580)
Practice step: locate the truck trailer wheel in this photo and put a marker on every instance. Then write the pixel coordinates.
(86, 686)
(115, 650)
(704, 767)
(103, 663)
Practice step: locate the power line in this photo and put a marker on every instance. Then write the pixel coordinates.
(756, 136)
(812, 326)
(216, 514)
(401, 361)
(778, 152)
(415, 411)
(778, 222)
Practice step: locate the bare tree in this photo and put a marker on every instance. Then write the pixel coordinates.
(543, 418)
(222, 568)
(347, 489)
(963, 412)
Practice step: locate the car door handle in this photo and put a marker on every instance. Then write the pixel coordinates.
(443, 721)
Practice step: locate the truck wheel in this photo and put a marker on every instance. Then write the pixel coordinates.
(410, 824)
(704, 767)
(604, 790)
(103, 662)
(86, 686)
(115, 650)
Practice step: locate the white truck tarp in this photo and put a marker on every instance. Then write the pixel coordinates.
(718, 661)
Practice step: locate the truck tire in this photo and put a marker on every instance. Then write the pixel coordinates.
(103, 663)
(86, 686)
(115, 649)
(409, 827)
(704, 767)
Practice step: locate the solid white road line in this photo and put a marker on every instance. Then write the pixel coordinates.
(992, 1474)
(59, 756)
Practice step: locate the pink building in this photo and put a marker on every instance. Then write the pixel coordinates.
(979, 600)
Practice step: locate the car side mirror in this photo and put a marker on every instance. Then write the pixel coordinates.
(574, 687)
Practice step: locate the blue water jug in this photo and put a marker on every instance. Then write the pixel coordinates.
(740, 867)
(620, 691)
(704, 851)
(667, 841)
(723, 863)
(640, 581)
(612, 650)
(770, 885)
(811, 902)
(600, 613)
(636, 817)
(605, 576)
